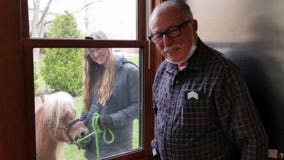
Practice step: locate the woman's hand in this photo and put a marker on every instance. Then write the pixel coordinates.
(105, 121)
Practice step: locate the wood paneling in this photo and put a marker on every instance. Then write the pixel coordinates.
(12, 106)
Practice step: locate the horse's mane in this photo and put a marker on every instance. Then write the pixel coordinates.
(58, 104)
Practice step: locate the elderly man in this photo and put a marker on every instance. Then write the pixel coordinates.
(203, 109)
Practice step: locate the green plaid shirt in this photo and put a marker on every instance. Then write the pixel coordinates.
(205, 112)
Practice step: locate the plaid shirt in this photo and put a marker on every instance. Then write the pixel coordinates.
(205, 112)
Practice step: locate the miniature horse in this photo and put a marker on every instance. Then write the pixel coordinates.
(56, 123)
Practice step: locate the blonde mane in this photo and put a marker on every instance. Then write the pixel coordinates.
(58, 104)
(55, 115)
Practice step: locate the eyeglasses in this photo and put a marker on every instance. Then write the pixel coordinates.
(172, 32)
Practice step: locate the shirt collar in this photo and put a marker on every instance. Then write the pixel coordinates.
(195, 60)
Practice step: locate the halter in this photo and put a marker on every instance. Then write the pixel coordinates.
(66, 128)
(97, 131)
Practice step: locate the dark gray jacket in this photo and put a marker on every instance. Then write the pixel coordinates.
(123, 108)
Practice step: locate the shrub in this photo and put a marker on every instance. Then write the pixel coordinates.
(62, 70)
(62, 67)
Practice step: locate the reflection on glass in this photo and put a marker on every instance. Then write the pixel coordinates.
(53, 18)
(106, 100)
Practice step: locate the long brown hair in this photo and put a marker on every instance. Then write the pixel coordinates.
(98, 79)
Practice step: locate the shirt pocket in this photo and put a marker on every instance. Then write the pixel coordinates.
(198, 114)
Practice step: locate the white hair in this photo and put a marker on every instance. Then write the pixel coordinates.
(58, 104)
(180, 5)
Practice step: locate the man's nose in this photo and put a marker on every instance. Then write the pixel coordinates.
(166, 40)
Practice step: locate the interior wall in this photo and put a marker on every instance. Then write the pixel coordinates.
(250, 32)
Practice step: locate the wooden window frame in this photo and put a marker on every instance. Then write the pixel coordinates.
(28, 44)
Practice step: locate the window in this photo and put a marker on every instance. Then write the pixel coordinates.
(63, 31)
(118, 19)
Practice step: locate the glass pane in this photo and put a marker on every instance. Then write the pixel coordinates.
(108, 106)
(76, 19)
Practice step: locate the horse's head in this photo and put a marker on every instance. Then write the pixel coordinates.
(61, 116)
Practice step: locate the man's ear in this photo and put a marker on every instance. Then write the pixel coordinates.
(195, 25)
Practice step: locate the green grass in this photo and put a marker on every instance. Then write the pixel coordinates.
(135, 142)
(133, 59)
(71, 152)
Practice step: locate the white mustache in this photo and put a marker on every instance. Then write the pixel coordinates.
(170, 49)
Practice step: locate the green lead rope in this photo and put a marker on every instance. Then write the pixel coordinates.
(97, 131)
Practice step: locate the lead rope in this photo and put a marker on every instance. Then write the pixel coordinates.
(96, 132)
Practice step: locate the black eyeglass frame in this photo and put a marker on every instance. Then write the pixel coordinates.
(169, 30)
